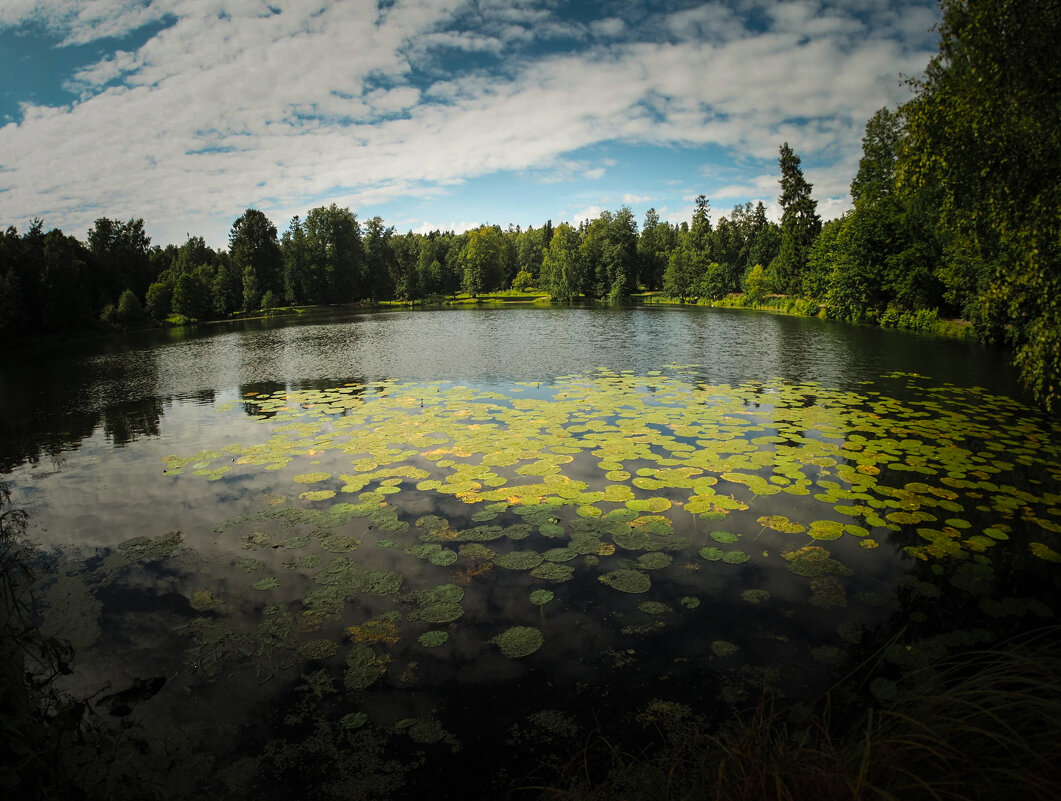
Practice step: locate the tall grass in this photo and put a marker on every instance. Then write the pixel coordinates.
(983, 725)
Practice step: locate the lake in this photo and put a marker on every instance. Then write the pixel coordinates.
(384, 555)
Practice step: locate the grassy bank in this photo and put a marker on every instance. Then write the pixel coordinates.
(925, 320)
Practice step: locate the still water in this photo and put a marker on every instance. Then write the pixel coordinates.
(372, 554)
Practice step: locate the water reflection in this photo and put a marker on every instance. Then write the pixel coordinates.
(53, 397)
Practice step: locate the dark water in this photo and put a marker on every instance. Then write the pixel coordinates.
(86, 428)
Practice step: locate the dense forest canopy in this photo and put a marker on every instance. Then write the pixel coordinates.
(956, 213)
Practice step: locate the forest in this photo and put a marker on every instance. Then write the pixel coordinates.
(956, 214)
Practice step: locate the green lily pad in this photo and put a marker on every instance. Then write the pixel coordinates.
(353, 720)
(656, 560)
(311, 478)
(755, 596)
(519, 641)
(826, 530)
(541, 597)
(362, 668)
(1044, 552)
(551, 571)
(653, 608)
(781, 523)
(723, 648)
(338, 543)
(519, 560)
(433, 638)
(813, 561)
(627, 580)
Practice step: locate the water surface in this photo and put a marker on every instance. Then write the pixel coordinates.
(325, 533)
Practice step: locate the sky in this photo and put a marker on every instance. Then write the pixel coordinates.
(436, 114)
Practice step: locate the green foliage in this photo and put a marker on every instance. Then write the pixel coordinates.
(530, 250)
(482, 260)
(524, 281)
(323, 257)
(255, 254)
(562, 268)
(191, 297)
(800, 223)
(683, 278)
(119, 251)
(984, 133)
(129, 311)
(159, 300)
(608, 254)
(715, 283)
(270, 300)
(755, 284)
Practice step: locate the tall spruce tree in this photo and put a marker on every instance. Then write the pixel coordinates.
(800, 224)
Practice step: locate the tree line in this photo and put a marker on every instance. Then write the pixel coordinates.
(956, 213)
(51, 282)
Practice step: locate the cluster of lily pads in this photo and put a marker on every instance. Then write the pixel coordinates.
(625, 479)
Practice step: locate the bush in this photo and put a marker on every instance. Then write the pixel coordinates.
(270, 300)
(755, 284)
(523, 281)
(159, 300)
(890, 318)
(129, 311)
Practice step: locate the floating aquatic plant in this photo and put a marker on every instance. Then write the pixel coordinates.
(433, 638)
(722, 648)
(653, 608)
(382, 629)
(627, 580)
(353, 720)
(541, 597)
(616, 476)
(519, 560)
(519, 641)
(362, 667)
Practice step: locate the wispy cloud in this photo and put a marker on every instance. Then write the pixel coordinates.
(233, 104)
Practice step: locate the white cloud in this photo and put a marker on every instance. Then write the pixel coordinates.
(609, 27)
(233, 105)
(758, 186)
(457, 227)
(586, 213)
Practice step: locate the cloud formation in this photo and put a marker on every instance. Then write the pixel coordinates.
(291, 103)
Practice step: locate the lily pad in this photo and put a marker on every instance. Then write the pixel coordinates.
(519, 641)
(311, 478)
(519, 560)
(353, 720)
(433, 638)
(723, 648)
(541, 597)
(627, 580)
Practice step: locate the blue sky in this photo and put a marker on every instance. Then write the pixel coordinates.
(435, 113)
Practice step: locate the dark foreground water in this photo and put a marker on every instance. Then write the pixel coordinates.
(384, 555)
